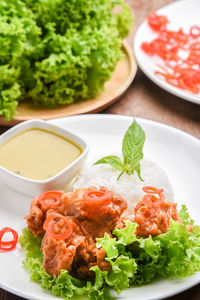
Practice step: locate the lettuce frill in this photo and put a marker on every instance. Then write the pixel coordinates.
(135, 261)
(58, 52)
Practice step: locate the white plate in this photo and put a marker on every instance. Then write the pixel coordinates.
(180, 14)
(175, 151)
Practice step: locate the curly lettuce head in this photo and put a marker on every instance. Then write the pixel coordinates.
(57, 52)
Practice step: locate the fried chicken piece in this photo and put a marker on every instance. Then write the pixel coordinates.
(77, 253)
(70, 227)
(74, 204)
(59, 253)
(37, 214)
(36, 218)
(153, 215)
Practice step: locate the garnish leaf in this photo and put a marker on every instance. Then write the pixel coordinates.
(133, 142)
(132, 146)
(113, 161)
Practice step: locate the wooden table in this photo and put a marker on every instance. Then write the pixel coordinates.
(144, 99)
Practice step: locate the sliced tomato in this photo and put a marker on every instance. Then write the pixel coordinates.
(51, 199)
(8, 245)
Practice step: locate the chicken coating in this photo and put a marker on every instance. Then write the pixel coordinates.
(153, 215)
(69, 230)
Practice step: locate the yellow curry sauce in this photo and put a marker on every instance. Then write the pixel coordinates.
(38, 154)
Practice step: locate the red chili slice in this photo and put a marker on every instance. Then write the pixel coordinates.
(8, 245)
(51, 199)
(184, 72)
(150, 190)
(156, 22)
(97, 197)
(195, 46)
(147, 49)
(195, 31)
(58, 226)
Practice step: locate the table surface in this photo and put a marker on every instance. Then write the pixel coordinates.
(146, 100)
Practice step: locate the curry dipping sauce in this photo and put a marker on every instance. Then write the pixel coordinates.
(38, 153)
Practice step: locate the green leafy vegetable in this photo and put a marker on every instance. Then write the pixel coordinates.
(56, 52)
(134, 261)
(184, 216)
(132, 146)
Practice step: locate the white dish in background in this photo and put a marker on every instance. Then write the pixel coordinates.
(175, 151)
(33, 187)
(182, 14)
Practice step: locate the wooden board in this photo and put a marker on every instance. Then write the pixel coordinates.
(121, 79)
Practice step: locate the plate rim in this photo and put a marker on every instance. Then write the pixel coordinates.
(121, 116)
(117, 117)
(159, 82)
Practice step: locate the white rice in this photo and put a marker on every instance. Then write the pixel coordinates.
(128, 186)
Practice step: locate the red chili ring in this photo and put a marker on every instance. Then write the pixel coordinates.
(151, 190)
(50, 199)
(12, 244)
(50, 222)
(97, 197)
(193, 29)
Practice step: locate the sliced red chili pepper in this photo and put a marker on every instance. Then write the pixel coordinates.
(150, 190)
(195, 31)
(58, 226)
(50, 199)
(195, 46)
(147, 49)
(186, 82)
(194, 57)
(97, 197)
(157, 22)
(8, 245)
(184, 72)
(173, 81)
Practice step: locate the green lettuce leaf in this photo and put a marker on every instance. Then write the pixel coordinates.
(184, 216)
(64, 285)
(135, 261)
(58, 52)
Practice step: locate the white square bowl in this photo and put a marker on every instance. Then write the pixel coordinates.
(34, 187)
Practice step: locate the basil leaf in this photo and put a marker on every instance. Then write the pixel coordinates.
(132, 145)
(113, 161)
(137, 169)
